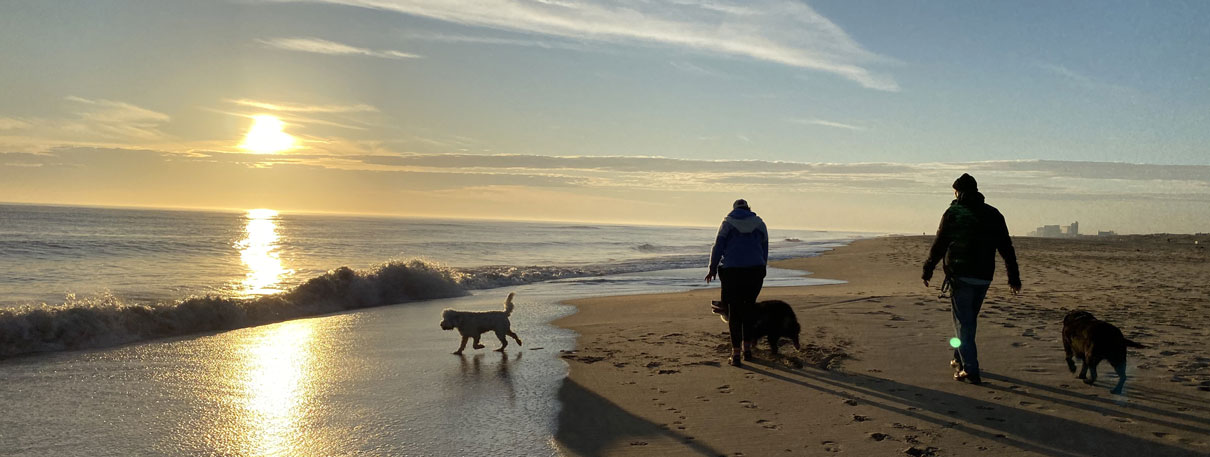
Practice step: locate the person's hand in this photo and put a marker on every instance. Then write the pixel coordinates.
(709, 277)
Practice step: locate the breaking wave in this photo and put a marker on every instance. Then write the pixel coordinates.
(107, 321)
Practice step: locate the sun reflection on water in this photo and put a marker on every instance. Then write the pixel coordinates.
(277, 380)
(259, 252)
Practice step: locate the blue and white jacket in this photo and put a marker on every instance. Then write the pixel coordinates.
(742, 241)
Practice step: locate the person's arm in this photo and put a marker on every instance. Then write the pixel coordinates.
(716, 252)
(940, 244)
(1009, 254)
(765, 243)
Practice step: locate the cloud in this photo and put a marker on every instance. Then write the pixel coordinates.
(321, 46)
(1078, 78)
(111, 120)
(8, 123)
(867, 196)
(785, 32)
(491, 40)
(824, 123)
(301, 108)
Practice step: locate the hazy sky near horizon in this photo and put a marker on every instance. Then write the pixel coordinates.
(835, 114)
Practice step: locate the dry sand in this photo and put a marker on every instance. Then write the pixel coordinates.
(873, 379)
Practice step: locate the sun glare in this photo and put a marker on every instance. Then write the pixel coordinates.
(266, 136)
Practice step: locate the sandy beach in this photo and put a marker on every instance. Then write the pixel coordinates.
(648, 376)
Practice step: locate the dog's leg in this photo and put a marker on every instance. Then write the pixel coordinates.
(1092, 369)
(514, 335)
(1119, 365)
(1083, 367)
(503, 342)
(1071, 366)
(774, 340)
(477, 345)
(463, 346)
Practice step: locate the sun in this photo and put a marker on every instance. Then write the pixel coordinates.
(266, 136)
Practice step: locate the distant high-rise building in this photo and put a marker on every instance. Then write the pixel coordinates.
(1073, 229)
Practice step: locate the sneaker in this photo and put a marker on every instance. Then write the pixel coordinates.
(968, 377)
(734, 360)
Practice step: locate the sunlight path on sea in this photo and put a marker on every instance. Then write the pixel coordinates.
(259, 250)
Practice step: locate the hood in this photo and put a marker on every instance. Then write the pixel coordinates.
(969, 198)
(743, 220)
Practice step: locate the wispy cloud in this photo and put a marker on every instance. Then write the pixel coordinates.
(493, 40)
(113, 119)
(303, 108)
(8, 123)
(1078, 78)
(786, 32)
(321, 46)
(826, 123)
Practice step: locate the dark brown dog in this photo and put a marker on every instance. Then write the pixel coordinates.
(770, 318)
(1092, 340)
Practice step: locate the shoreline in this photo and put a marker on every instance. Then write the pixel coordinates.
(648, 374)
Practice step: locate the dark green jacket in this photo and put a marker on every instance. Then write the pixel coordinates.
(970, 234)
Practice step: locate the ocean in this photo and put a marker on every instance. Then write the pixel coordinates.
(171, 332)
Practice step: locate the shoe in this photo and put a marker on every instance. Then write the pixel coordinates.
(748, 356)
(734, 360)
(968, 377)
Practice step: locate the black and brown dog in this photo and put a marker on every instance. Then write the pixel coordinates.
(773, 319)
(1092, 340)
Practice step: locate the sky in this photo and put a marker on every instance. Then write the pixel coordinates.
(835, 115)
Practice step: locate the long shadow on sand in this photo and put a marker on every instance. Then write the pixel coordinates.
(1107, 406)
(589, 425)
(1024, 429)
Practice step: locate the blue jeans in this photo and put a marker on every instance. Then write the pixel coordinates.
(966, 298)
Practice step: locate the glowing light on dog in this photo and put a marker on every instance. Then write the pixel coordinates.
(955, 342)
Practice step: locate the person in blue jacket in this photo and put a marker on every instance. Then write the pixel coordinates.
(738, 259)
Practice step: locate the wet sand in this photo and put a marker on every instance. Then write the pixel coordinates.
(649, 375)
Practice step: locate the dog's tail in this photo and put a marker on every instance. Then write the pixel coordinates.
(1133, 344)
(508, 304)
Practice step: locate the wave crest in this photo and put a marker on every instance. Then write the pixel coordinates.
(107, 321)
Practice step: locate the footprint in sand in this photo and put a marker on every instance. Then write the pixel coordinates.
(860, 418)
(724, 389)
(768, 424)
(879, 436)
(747, 404)
(830, 446)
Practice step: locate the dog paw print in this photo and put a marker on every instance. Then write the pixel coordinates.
(830, 446)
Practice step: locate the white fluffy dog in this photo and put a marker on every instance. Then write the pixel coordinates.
(472, 324)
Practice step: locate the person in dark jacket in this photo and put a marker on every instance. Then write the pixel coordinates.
(738, 258)
(970, 234)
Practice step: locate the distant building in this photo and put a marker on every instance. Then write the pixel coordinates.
(1073, 229)
(1056, 231)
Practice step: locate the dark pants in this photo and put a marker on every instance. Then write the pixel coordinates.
(740, 288)
(965, 301)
